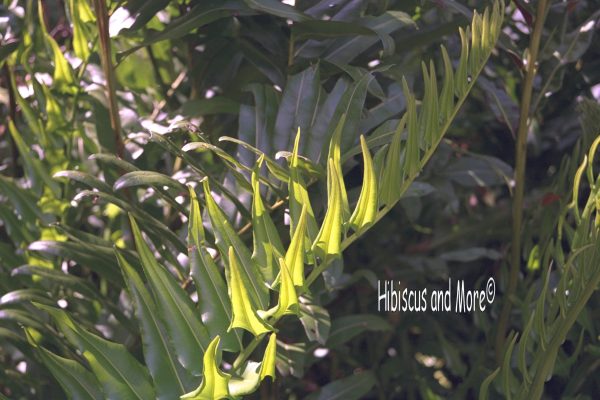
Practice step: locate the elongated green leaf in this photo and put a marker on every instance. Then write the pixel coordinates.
(288, 299)
(299, 197)
(63, 74)
(110, 159)
(151, 178)
(335, 155)
(87, 179)
(213, 302)
(144, 11)
(345, 328)
(244, 314)
(328, 241)
(36, 172)
(268, 363)
(412, 155)
(23, 201)
(121, 375)
(277, 170)
(214, 384)
(344, 50)
(318, 29)
(59, 277)
(25, 295)
(267, 244)
(315, 320)
(294, 114)
(367, 205)
(392, 173)
(77, 382)
(277, 8)
(152, 226)
(188, 334)
(226, 237)
(483, 390)
(200, 15)
(234, 165)
(99, 259)
(80, 33)
(32, 117)
(294, 257)
(170, 378)
(351, 388)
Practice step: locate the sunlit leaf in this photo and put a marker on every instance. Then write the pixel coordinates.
(328, 241)
(294, 257)
(255, 372)
(267, 244)
(227, 238)
(288, 299)
(213, 302)
(367, 205)
(214, 384)
(63, 74)
(244, 314)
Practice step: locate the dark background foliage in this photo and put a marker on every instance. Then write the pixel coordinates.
(257, 71)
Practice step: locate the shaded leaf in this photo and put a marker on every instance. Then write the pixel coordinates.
(170, 379)
(120, 375)
(188, 334)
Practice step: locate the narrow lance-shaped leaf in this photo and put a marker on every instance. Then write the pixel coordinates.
(170, 378)
(412, 157)
(227, 238)
(75, 380)
(288, 299)
(31, 116)
(299, 196)
(63, 75)
(267, 367)
(366, 207)
(462, 77)
(119, 373)
(213, 302)
(267, 244)
(328, 241)
(214, 384)
(35, 170)
(55, 118)
(188, 334)
(294, 257)
(335, 155)
(393, 176)
(244, 314)
(447, 96)
(80, 34)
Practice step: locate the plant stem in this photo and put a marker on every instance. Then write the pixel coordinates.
(520, 163)
(109, 72)
(243, 356)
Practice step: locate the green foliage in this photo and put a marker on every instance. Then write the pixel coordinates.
(154, 260)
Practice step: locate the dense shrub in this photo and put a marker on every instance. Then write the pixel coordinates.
(208, 199)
